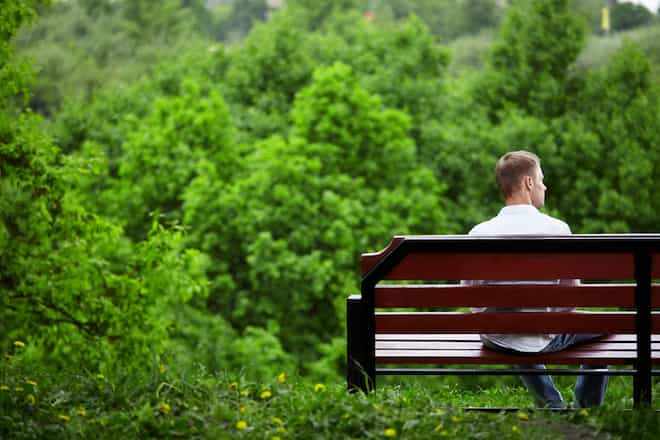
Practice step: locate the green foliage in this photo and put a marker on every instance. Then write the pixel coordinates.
(81, 45)
(286, 230)
(447, 20)
(233, 19)
(610, 148)
(538, 42)
(398, 61)
(265, 73)
(162, 152)
(315, 13)
(626, 15)
(336, 110)
(72, 285)
(15, 74)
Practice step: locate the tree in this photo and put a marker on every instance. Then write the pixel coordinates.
(529, 65)
(447, 20)
(286, 233)
(608, 150)
(70, 284)
(265, 73)
(626, 15)
(80, 45)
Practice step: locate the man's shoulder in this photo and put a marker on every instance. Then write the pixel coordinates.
(483, 227)
(532, 222)
(559, 225)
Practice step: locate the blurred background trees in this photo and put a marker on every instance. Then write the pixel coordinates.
(194, 183)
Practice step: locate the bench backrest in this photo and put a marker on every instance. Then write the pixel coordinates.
(616, 272)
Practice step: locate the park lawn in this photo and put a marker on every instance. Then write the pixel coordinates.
(38, 403)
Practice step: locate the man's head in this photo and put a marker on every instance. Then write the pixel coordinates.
(520, 179)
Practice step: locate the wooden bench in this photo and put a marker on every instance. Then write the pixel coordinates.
(616, 272)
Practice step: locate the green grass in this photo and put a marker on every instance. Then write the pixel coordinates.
(38, 403)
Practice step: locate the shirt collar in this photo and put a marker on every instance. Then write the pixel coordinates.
(518, 209)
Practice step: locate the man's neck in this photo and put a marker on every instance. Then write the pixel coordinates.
(518, 199)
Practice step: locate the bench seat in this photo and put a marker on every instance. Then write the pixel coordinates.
(467, 349)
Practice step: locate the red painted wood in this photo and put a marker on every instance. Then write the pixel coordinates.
(527, 266)
(471, 337)
(369, 260)
(512, 323)
(485, 356)
(514, 295)
(655, 266)
(477, 345)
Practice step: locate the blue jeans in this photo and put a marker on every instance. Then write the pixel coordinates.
(589, 390)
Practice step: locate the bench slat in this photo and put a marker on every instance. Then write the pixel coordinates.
(515, 266)
(508, 322)
(513, 295)
(468, 337)
(477, 345)
(484, 356)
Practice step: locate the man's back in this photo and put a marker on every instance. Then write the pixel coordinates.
(520, 220)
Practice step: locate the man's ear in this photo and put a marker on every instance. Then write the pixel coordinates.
(528, 182)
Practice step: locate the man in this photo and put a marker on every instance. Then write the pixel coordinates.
(520, 179)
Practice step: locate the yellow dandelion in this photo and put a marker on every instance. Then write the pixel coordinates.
(242, 409)
(241, 425)
(275, 437)
(439, 427)
(456, 419)
(584, 412)
(19, 344)
(281, 378)
(18, 389)
(277, 421)
(245, 393)
(281, 430)
(164, 408)
(31, 382)
(4, 388)
(319, 388)
(390, 432)
(515, 429)
(523, 416)
(30, 399)
(80, 411)
(265, 394)
(63, 417)
(233, 386)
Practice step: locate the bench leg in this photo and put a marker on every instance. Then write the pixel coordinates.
(643, 380)
(357, 355)
(642, 386)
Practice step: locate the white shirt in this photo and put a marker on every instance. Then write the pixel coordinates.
(521, 220)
